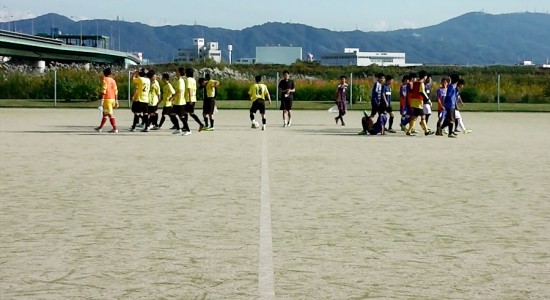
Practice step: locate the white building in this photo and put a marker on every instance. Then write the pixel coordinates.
(283, 55)
(200, 51)
(354, 57)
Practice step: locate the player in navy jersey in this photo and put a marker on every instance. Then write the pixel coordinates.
(374, 128)
(450, 105)
(385, 104)
(376, 95)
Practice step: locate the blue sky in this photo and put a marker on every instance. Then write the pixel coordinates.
(365, 15)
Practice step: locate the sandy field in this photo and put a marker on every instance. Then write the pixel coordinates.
(313, 211)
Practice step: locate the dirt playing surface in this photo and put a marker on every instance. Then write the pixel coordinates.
(155, 215)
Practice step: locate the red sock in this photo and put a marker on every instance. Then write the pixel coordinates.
(103, 122)
(113, 122)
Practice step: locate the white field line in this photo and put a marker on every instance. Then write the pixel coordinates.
(266, 271)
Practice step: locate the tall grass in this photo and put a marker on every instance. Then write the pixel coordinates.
(85, 85)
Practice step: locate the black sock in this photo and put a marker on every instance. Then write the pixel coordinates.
(251, 117)
(427, 118)
(162, 119)
(175, 121)
(391, 122)
(196, 118)
(264, 121)
(212, 123)
(136, 121)
(146, 121)
(206, 121)
(185, 123)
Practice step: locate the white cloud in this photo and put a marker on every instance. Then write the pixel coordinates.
(409, 24)
(381, 26)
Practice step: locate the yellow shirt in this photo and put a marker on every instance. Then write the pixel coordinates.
(258, 91)
(154, 93)
(211, 88)
(179, 87)
(191, 90)
(167, 92)
(143, 85)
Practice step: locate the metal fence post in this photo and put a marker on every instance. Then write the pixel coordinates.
(498, 92)
(351, 91)
(55, 88)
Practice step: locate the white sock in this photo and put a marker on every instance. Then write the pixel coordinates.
(461, 124)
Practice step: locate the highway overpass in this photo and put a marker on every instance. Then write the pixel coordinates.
(35, 48)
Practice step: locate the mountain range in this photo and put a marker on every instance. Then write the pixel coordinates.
(471, 39)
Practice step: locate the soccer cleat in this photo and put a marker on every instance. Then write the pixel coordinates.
(208, 129)
(336, 120)
(343, 124)
(98, 129)
(391, 130)
(113, 131)
(403, 128)
(186, 133)
(411, 134)
(362, 133)
(453, 136)
(429, 132)
(201, 127)
(414, 131)
(156, 128)
(140, 125)
(146, 129)
(439, 132)
(467, 131)
(173, 128)
(177, 131)
(284, 124)
(289, 123)
(132, 130)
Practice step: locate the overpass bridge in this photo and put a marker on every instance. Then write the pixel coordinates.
(38, 48)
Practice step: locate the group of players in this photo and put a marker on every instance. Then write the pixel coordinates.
(415, 103)
(178, 99)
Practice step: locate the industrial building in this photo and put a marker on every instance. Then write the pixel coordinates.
(200, 51)
(283, 55)
(354, 57)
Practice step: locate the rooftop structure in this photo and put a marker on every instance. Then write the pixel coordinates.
(354, 57)
(200, 51)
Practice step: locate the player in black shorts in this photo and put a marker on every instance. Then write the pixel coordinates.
(209, 103)
(286, 87)
(258, 92)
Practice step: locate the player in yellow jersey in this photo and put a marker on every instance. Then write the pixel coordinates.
(191, 99)
(109, 100)
(154, 97)
(168, 93)
(140, 98)
(209, 103)
(258, 93)
(178, 104)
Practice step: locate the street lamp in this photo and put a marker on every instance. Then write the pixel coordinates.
(32, 22)
(80, 22)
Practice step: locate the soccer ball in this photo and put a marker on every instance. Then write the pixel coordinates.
(255, 124)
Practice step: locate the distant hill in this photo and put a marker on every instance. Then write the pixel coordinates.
(470, 39)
